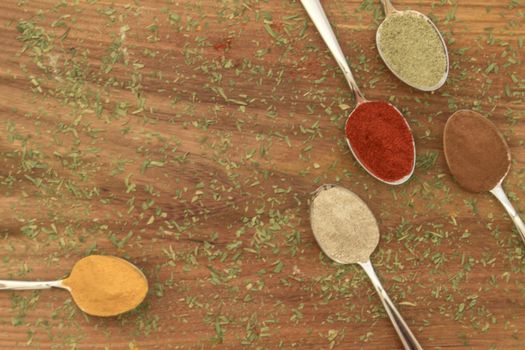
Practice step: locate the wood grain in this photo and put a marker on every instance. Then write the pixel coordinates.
(187, 136)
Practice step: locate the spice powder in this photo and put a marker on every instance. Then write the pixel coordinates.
(412, 48)
(343, 225)
(476, 153)
(106, 285)
(381, 139)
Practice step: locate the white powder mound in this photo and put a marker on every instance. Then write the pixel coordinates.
(344, 226)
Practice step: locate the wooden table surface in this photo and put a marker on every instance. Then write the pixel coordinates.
(187, 136)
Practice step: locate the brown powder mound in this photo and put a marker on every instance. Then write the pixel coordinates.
(476, 153)
(106, 285)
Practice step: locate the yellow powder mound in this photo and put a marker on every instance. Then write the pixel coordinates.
(106, 285)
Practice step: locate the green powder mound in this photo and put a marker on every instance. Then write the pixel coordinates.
(412, 48)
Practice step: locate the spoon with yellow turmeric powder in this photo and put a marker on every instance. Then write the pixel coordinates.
(100, 285)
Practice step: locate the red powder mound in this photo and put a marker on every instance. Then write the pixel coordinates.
(381, 140)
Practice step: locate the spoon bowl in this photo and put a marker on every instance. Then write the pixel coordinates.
(391, 11)
(472, 168)
(408, 174)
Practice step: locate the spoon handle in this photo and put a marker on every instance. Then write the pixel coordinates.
(403, 331)
(500, 194)
(25, 285)
(318, 16)
(389, 8)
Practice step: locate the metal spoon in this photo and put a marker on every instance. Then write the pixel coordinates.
(346, 234)
(389, 10)
(497, 190)
(316, 12)
(30, 285)
(499, 193)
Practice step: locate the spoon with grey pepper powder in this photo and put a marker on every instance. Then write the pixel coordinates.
(479, 158)
(347, 232)
(412, 48)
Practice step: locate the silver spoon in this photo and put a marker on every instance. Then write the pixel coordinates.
(497, 190)
(316, 12)
(389, 10)
(332, 237)
(499, 193)
(62, 284)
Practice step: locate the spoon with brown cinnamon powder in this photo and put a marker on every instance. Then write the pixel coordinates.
(479, 158)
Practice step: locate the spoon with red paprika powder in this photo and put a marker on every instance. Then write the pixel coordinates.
(377, 134)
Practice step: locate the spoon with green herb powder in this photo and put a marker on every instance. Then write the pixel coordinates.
(479, 158)
(412, 48)
(347, 232)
